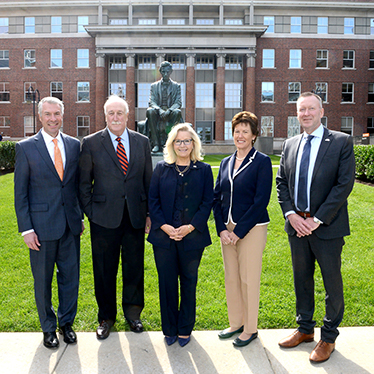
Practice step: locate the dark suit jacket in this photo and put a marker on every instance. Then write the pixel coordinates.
(103, 188)
(246, 194)
(174, 95)
(198, 204)
(332, 181)
(43, 202)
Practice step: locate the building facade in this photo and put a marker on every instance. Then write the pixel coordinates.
(228, 56)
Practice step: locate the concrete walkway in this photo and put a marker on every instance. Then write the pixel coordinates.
(127, 352)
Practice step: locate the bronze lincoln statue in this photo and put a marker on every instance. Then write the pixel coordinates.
(164, 107)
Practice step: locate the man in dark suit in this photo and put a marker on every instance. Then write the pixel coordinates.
(115, 172)
(314, 180)
(49, 217)
(165, 102)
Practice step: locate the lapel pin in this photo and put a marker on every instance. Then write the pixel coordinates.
(327, 140)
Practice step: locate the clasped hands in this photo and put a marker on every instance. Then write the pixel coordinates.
(179, 233)
(228, 237)
(303, 226)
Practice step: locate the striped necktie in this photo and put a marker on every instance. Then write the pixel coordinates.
(58, 160)
(121, 153)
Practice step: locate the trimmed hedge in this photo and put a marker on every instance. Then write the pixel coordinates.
(7, 154)
(364, 155)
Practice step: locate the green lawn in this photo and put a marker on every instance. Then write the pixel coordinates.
(277, 301)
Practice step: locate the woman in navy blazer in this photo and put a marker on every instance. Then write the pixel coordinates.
(241, 196)
(180, 201)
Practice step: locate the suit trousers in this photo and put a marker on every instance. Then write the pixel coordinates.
(243, 263)
(305, 251)
(65, 253)
(107, 247)
(172, 263)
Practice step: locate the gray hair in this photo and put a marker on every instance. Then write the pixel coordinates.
(50, 100)
(115, 98)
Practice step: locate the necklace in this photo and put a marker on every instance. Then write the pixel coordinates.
(182, 172)
(240, 159)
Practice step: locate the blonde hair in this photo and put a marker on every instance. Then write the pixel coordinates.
(169, 155)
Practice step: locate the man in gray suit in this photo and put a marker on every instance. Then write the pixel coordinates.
(115, 170)
(165, 102)
(314, 180)
(49, 217)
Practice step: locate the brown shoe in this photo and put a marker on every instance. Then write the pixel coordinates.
(322, 351)
(295, 339)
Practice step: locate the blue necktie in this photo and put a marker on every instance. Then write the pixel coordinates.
(302, 194)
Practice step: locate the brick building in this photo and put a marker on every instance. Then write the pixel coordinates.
(228, 55)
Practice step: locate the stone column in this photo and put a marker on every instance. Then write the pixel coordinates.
(249, 84)
(99, 122)
(190, 89)
(130, 13)
(190, 14)
(130, 88)
(220, 97)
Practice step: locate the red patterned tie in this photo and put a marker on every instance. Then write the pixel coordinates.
(121, 153)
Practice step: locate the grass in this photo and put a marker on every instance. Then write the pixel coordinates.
(277, 300)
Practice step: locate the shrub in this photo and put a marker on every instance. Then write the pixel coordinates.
(364, 155)
(7, 154)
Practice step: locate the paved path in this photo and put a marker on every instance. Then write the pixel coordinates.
(127, 352)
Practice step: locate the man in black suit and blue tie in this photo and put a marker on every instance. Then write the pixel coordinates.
(49, 217)
(314, 180)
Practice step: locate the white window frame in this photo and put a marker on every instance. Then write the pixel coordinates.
(56, 56)
(83, 58)
(293, 126)
(56, 25)
(29, 58)
(322, 59)
(346, 124)
(82, 21)
(267, 126)
(4, 56)
(82, 89)
(349, 26)
(85, 126)
(29, 25)
(268, 58)
(56, 89)
(295, 25)
(322, 25)
(269, 21)
(294, 88)
(267, 87)
(204, 95)
(349, 55)
(345, 91)
(322, 90)
(295, 56)
(4, 25)
(5, 91)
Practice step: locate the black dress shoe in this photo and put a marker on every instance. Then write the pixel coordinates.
(69, 335)
(103, 330)
(135, 325)
(50, 340)
(242, 343)
(226, 333)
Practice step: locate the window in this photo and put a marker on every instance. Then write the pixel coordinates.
(56, 90)
(118, 89)
(4, 25)
(228, 130)
(82, 21)
(347, 93)
(267, 126)
(147, 22)
(269, 21)
(268, 60)
(267, 91)
(28, 126)
(347, 125)
(117, 63)
(83, 91)
(30, 88)
(233, 63)
(143, 94)
(322, 58)
(146, 62)
(83, 58)
(29, 58)
(83, 125)
(293, 127)
(176, 21)
(205, 22)
(29, 25)
(56, 25)
(4, 59)
(322, 25)
(348, 59)
(204, 95)
(372, 26)
(118, 21)
(295, 58)
(349, 26)
(204, 63)
(324, 121)
(56, 58)
(295, 25)
(371, 59)
(177, 61)
(233, 95)
(233, 21)
(5, 125)
(371, 93)
(321, 90)
(370, 125)
(294, 90)
(4, 91)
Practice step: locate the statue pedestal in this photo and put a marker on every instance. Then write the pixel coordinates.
(156, 157)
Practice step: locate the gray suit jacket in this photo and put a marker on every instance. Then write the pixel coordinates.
(332, 181)
(174, 100)
(43, 202)
(103, 188)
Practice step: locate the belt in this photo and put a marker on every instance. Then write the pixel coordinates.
(303, 214)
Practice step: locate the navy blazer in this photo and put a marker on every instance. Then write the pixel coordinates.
(332, 181)
(197, 204)
(246, 194)
(43, 202)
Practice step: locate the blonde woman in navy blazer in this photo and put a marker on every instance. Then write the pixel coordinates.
(241, 196)
(180, 201)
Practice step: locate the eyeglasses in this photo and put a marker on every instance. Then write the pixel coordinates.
(185, 142)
